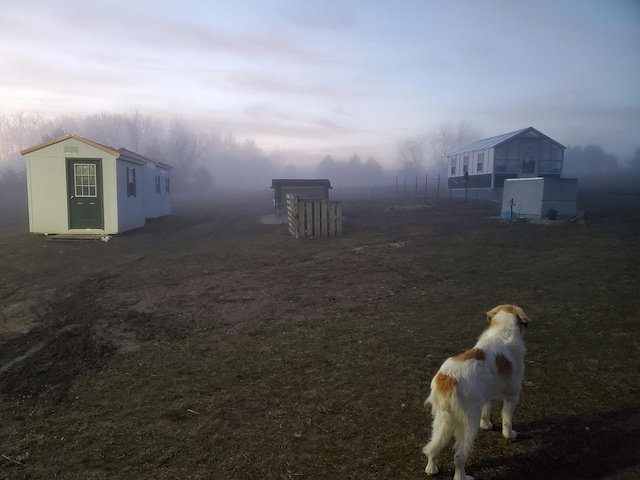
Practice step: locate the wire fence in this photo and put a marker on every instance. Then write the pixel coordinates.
(418, 189)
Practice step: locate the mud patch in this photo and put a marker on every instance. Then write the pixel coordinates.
(16, 319)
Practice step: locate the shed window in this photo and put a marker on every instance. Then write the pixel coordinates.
(480, 163)
(131, 182)
(157, 183)
(162, 180)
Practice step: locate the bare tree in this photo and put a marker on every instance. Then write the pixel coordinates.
(140, 128)
(635, 161)
(18, 131)
(448, 138)
(183, 149)
(412, 153)
(106, 128)
(60, 126)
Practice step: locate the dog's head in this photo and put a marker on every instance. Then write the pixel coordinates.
(508, 313)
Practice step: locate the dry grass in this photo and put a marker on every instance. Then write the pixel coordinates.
(339, 394)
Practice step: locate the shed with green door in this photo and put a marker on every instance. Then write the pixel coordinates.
(78, 186)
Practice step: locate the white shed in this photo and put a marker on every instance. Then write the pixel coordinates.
(534, 198)
(77, 186)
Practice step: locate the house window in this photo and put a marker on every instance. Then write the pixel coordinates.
(131, 182)
(157, 183)
(85, 180)
(480, 163)
(163, 180)
(465, 164)
(453, 166)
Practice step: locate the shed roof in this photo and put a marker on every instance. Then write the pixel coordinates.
(129, 155)
(498, 140)
(119, 152)
(99, 146)
(300, 182)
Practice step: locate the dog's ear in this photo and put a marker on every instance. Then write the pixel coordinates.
(521, 317)
(493, 312)
(523, 320)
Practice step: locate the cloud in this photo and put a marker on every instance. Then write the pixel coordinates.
(321, 15)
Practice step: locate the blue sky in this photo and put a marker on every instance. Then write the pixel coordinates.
(337, 77)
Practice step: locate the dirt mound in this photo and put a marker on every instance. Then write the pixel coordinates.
(41, 364)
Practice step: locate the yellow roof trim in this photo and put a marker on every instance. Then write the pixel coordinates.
(104, 148)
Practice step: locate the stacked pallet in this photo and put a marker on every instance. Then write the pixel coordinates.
(313, 218)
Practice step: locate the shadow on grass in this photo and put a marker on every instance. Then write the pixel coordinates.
(587, 447)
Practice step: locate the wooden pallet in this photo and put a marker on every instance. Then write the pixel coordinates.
(314, 218)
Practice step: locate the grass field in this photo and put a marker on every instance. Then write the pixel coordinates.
(208, 346)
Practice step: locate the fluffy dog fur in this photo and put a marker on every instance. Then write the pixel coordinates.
(465, 385)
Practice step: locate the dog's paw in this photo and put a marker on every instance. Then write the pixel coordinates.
(510, 434)
(431, 469)
(486, 425)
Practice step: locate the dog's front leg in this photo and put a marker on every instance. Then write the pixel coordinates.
(508, 407)
(485, 419)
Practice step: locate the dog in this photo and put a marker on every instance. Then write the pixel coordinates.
(465, 385)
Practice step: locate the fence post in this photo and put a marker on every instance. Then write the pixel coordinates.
(426, 176)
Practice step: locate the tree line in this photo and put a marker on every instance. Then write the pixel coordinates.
(204, 160)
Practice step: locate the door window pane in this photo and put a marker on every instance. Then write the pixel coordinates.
(85, 180)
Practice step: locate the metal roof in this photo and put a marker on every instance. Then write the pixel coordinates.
(495, 141)
(488, 142)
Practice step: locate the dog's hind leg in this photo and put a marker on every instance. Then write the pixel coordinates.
(508, 407)
(465, 434)
(441, 433)
(464, 441)
(485, 419)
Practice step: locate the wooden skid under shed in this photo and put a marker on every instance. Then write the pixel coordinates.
(74, 237)
(314, 218)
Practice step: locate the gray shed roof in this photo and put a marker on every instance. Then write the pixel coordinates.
(495, 141)
(300, 182)
(129, 155)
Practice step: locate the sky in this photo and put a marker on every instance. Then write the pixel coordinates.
(333, 77)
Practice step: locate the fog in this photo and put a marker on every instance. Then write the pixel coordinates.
(206, 161)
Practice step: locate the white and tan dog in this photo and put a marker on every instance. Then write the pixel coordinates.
(465, 385)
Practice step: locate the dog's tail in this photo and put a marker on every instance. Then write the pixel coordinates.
(446, 396)
(443, 392)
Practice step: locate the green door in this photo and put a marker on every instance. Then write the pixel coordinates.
(84, 185)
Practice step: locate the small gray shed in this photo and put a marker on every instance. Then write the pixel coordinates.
(305, 189)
